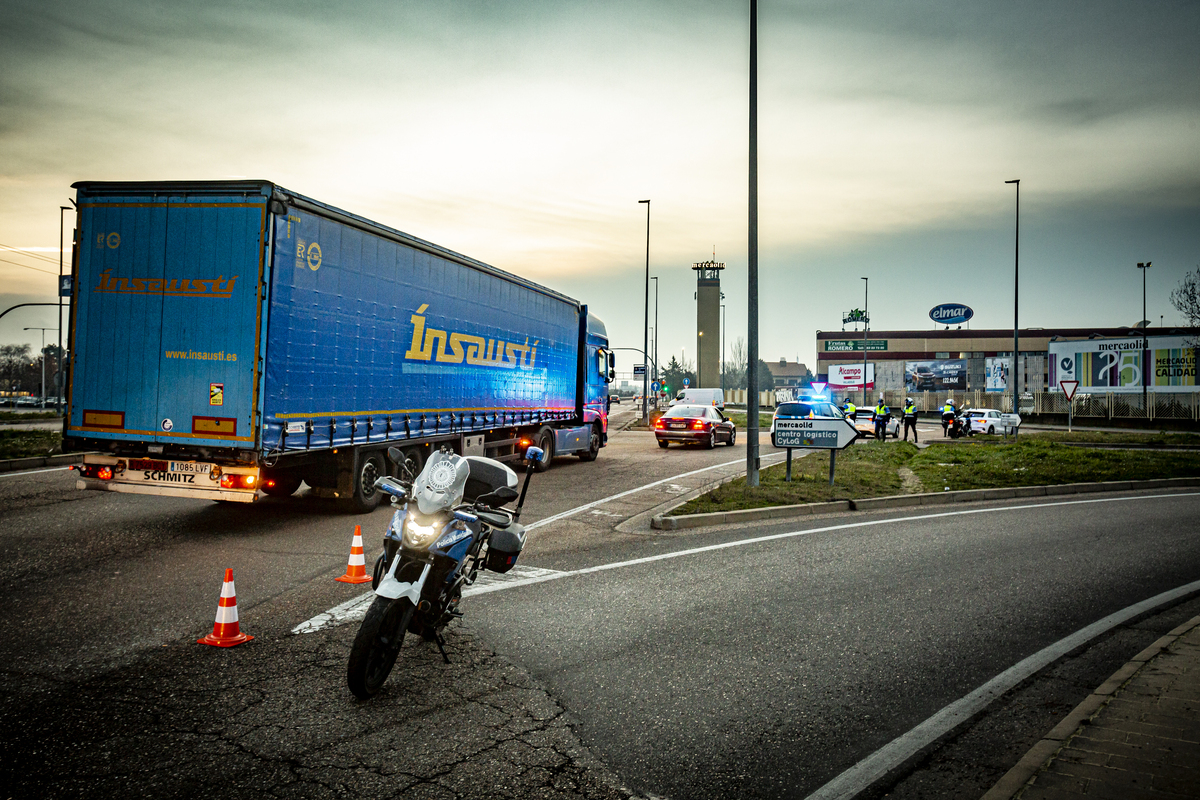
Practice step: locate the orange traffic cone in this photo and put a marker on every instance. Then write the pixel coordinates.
(356, 570)
(226, 632)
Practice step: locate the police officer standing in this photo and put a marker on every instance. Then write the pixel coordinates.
(881, 418)
(910, 419)
(850, 410)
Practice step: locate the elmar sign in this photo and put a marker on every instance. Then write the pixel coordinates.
(951, 313)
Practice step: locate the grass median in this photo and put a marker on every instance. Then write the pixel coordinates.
(27, 444)
(879, 469)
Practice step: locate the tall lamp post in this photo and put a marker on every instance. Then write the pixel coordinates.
(866, 324)
(43, 330)
(58, 385)
(1016, 373)
(655, 349)
(722, 352)
(752, 264)
(646, 321)
(1145, 340)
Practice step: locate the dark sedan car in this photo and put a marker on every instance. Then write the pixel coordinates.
(704, 425)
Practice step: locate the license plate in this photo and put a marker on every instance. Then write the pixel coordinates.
(191, 466)
(678, 426)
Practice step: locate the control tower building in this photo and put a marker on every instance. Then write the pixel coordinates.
(708, 323)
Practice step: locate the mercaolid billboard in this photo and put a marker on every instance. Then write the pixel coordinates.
(1118, 365)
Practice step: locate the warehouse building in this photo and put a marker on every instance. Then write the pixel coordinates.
(963, 360)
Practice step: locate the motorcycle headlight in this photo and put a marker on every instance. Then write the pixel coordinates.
(420, 532)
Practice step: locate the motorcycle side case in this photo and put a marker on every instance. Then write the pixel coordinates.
(504, 547)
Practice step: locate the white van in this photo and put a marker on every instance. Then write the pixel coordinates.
(700, 397)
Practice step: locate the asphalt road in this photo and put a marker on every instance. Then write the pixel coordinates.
(795, 657)
(766, 670)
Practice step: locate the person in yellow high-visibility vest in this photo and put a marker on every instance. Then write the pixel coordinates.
(910, 419)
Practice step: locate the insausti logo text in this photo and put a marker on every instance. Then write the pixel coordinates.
(430, 344)
(172, 287)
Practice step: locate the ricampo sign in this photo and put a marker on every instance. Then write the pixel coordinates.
(951, 313)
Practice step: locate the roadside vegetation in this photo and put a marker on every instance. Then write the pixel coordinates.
(1124, 437)
(879, 469)
(25, 444)
(28, 416)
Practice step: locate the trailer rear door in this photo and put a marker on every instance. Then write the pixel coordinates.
(165, 318)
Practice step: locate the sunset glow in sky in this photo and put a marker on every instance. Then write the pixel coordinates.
(524, 133)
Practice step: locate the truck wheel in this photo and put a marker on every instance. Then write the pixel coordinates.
(413, 460)
(593, 446)
(545, 441)
(365, 497)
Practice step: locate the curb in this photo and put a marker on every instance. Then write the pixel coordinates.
(18, 464)
(1038, 757)
(665, 523)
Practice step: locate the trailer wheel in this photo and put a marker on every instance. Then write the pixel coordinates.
(545, 441)
(364, 496)
(593, 446)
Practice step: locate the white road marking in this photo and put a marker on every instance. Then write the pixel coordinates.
(354, 609)
(859, 777)
(31, 472)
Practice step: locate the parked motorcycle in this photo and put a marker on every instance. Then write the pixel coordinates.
(448, 525)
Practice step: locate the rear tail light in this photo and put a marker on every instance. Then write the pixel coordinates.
(699, 425)
(235, 481)
(659, 424)
(103, 472)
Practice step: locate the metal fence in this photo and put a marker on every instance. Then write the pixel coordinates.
(1157, 406)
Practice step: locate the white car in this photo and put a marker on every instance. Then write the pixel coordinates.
(984, 420)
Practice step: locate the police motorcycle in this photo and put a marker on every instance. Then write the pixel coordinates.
(449, 523)
(960, 425)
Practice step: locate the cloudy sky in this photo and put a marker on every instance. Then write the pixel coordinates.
(523, 133)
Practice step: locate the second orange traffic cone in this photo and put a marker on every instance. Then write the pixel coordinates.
(356, 570)
(226, 630)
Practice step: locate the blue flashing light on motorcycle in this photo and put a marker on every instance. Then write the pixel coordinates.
(448, 524)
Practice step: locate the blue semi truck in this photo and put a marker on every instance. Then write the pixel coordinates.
(229, 340)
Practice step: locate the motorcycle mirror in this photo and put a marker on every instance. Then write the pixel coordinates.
(535, 454)
(395, 456)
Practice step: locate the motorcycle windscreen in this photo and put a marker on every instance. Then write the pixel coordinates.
(166, 321)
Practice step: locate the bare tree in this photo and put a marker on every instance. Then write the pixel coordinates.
(1186, 300)
(735, 365)
(14, 359)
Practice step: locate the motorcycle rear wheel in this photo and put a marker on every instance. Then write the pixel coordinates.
(377, 645)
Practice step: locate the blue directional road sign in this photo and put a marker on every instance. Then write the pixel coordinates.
(654, 387)
(687, 381)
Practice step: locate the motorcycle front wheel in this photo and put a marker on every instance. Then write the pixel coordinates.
(376, 646)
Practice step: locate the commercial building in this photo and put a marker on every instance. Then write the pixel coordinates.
(1102, 359)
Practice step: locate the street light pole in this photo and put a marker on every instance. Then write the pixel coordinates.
(655, 279)
(752, 265)
(1016, 373)
(722, 352)
(43, 353)
(866, 324)
(1145, 340)
(646, 321)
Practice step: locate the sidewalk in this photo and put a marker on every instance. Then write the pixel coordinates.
(1137, 736)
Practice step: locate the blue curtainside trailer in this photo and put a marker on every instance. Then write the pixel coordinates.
(232, 339)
